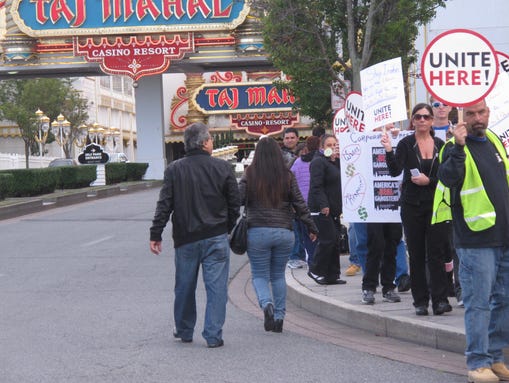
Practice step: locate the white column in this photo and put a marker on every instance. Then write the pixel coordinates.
(150, 125)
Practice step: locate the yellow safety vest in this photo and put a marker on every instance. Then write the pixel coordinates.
(478, 211)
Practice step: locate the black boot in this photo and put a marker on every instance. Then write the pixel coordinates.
(278, 325)
(268, 312)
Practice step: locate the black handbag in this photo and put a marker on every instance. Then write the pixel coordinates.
(238, 236)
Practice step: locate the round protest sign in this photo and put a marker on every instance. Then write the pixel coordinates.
(339, 124)
(459, 67)
(503, 61)
(354, 113)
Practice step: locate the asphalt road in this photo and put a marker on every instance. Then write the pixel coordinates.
(82, 299)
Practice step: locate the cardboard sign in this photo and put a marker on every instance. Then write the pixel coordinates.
(459, 67)
(369, 193)
(383, 93)
(354, 112)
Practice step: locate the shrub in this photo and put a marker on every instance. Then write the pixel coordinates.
(32, 182)
(136, 170)
(115, 172)
(6, 184)
(73, 177)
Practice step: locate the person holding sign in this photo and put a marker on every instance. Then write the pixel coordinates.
(476, 169)
(416, 156)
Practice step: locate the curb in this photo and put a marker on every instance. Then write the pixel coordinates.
(442, 337)
(51, 201)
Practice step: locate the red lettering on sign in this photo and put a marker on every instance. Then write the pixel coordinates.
(232, 101)
(455, 77)
(273, 97)
(197, 5)
(178, 9)
(58, 9)
(144, 7)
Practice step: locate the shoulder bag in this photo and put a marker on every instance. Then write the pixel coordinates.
(238, 237)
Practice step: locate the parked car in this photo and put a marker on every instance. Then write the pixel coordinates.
(62, 162)
(118, 157)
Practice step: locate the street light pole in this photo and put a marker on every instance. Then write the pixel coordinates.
(43, 129)
(62, 127)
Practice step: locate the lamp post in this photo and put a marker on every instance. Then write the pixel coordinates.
(43, 129)
(81, 138)
(62, 130)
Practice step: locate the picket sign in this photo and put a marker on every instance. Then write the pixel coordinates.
(459, 67)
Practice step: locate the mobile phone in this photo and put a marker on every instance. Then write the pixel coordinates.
(415, 172)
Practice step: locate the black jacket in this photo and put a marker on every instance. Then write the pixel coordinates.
(408, 157)
(325, 185)
(281, 217)
(202, 193)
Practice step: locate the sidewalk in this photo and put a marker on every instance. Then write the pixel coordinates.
(342, 303)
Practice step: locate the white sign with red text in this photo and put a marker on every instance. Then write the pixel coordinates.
(354, 112)
(459, 67)
(339, 124)
(383, 93)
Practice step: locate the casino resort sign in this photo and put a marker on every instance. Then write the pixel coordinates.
(87, 17)
(129, 37)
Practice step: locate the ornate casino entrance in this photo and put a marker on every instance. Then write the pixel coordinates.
(215, 44)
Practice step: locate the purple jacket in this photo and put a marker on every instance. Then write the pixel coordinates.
(300, 169)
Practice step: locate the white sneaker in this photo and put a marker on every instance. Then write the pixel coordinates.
(294, 264)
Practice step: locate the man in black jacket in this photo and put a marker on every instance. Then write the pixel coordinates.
(200, 193)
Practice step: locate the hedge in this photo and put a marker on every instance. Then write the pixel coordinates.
(32, 182)
(6, 184)
(73, 177)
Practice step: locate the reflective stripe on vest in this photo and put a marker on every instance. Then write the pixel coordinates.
(441, 204)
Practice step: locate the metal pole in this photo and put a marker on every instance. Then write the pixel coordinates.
(61, 127)
(40, 144)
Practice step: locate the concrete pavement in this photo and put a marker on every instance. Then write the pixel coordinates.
(342, 303)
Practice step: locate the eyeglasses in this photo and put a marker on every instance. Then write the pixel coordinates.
(438, 105)
(427, 117)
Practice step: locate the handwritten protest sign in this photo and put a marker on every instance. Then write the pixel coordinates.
(459, 67)
(370, 194)
(354, 112)
(383, 93)
(498, 102)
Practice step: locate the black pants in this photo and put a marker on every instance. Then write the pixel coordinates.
(427, 246)
(326, 257)
(383, 239)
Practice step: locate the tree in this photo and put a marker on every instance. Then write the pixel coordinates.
(19, 99)
(320, 42)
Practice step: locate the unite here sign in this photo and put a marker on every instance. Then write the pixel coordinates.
(459, 67)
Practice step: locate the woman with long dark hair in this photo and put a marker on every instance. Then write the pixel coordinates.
(271, 196)
(417, 157)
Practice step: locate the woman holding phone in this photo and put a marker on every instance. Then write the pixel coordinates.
(416, 156)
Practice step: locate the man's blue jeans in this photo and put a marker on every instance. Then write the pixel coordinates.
(358, 243)
(484, 278)
(214, 256)
(298, 251)
(401, 261)
(268, 249)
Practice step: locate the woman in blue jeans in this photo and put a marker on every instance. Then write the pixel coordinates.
(271, 196)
